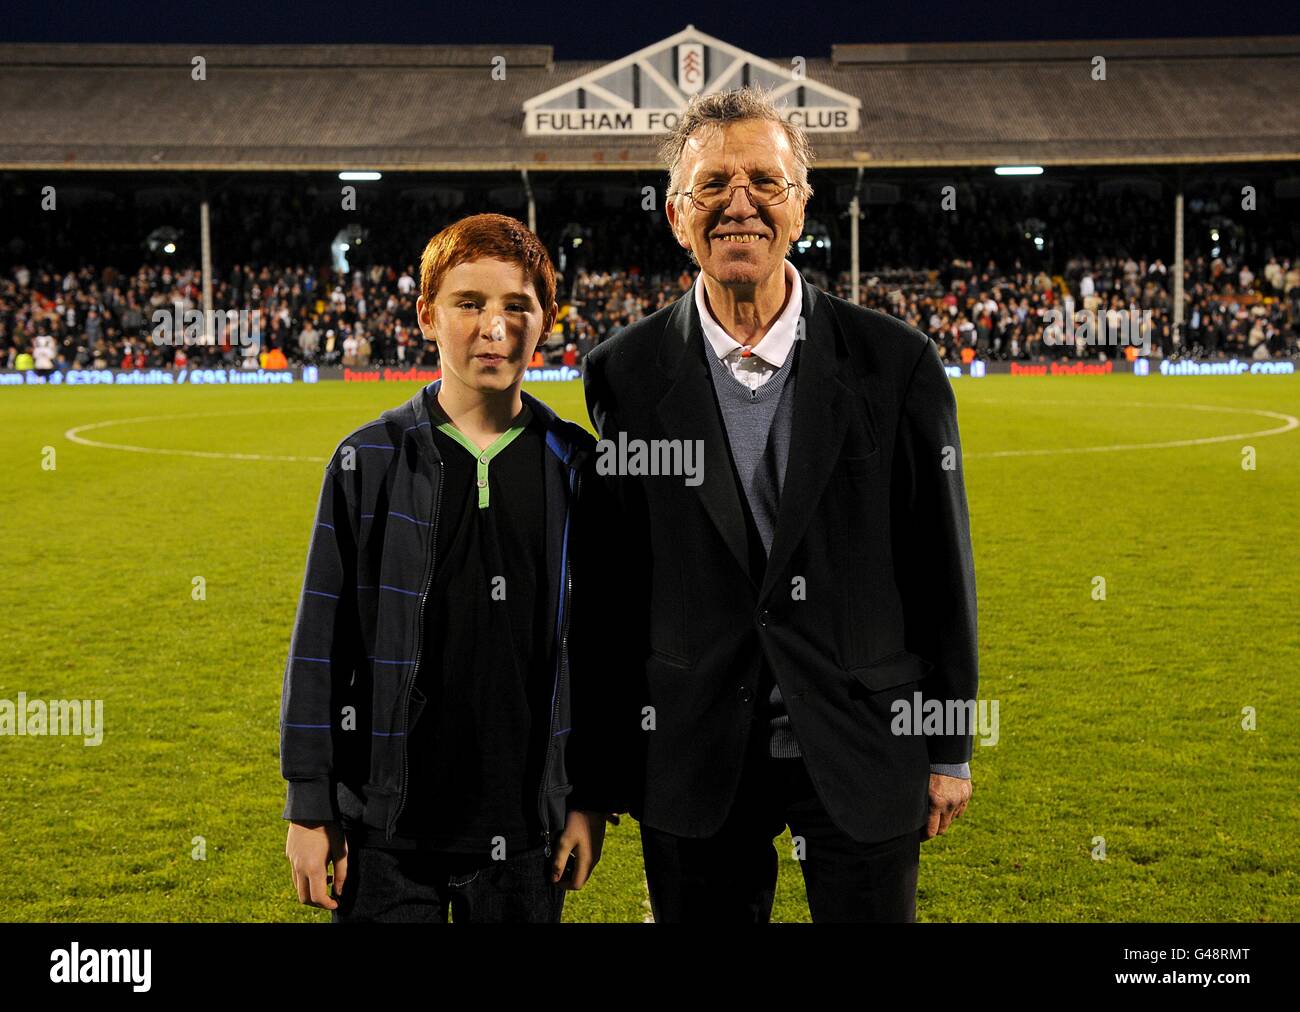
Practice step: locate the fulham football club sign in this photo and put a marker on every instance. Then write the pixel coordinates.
(644, 93)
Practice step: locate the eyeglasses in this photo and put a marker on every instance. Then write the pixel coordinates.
(762, 191)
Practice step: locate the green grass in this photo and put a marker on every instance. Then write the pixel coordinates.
(1119, 718)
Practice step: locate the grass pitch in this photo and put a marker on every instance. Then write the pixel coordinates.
(1120, 719)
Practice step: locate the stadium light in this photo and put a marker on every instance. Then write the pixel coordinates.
(361, 177)
(163, 239)
(1019, 170)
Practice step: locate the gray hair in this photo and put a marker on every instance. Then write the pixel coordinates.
(715, 110)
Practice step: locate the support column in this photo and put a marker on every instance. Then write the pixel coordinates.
(205, 242)
(855, 257)
(1178, 264)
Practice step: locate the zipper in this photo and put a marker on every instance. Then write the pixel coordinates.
(419, 649)
(562, 658)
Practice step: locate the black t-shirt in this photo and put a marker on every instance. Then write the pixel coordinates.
(476, 750)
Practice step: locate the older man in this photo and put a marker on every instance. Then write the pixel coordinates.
(789, 612)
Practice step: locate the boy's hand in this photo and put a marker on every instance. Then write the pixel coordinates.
(583, 836)
(311, 847)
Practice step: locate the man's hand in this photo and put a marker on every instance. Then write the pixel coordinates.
(948, 799)
(311, 847)
(583, 836)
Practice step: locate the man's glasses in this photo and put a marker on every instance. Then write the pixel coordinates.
(763, 191)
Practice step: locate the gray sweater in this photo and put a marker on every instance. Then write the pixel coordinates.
(758, 424)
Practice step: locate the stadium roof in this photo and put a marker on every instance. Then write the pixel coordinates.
(440, 108)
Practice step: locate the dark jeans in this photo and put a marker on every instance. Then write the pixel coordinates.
(419, 886)
(731, 876)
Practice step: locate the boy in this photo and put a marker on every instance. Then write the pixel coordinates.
(426, 716)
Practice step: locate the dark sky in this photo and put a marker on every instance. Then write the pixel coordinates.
(587, 30)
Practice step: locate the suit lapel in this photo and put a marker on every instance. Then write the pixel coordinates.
(689, 411)
(821, 419)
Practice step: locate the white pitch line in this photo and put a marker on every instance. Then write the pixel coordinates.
(73, 436)
(1291, 423)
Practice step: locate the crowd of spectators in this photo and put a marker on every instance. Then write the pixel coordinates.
(288, 303)
(290, 315)
(103, 318)
(1000, 314)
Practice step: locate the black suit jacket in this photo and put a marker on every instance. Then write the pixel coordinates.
(868, 594)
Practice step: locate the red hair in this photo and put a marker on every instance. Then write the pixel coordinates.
(487, 236)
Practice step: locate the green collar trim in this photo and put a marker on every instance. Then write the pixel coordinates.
(483, 457)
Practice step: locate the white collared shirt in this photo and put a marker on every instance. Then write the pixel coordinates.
(769, 355)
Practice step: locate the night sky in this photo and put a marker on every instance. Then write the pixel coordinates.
(588, 30)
